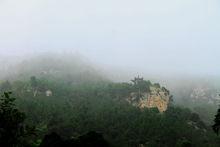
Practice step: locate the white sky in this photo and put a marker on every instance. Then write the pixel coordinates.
(177, 36)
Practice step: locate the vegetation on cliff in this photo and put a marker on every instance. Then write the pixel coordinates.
(102, 107)
(73, 106)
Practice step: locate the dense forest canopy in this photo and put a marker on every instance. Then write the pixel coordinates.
(71, 102)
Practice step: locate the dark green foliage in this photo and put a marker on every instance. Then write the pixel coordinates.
(216, 126)
(157, 85)
(33, 82)
(5, 86)
(52, 140)
(75, 109)
(140, 85)
(183, 143)
(12, 128)
(119, 90)
(90, 139)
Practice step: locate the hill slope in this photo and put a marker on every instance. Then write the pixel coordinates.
(66, 67)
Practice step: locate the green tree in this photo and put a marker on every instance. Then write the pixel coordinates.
(216, 126)
(13, 131)
(5, 86)
(34, 85)
(33, 82)
(140, 86)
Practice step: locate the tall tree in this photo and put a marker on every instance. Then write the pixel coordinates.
(12, 127)
(216, 126)
(34, 84)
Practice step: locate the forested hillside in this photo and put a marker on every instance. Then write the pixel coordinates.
(71, 68)
(83, 101)
(200, 95)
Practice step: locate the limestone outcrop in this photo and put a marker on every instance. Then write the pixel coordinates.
(157, 98)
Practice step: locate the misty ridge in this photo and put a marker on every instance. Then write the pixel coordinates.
(49, 64)
(66, 95)
(118, 73)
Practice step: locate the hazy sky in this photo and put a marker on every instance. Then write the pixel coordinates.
(180, 36)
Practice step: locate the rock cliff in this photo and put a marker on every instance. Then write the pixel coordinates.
(157, 98)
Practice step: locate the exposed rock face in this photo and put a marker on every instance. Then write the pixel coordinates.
(157, 98)
(207, 94)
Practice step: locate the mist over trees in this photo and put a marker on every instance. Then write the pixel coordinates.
(117, 73)
(83, 100)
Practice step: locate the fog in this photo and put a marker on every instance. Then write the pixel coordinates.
(159, 37)
(109, 73)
